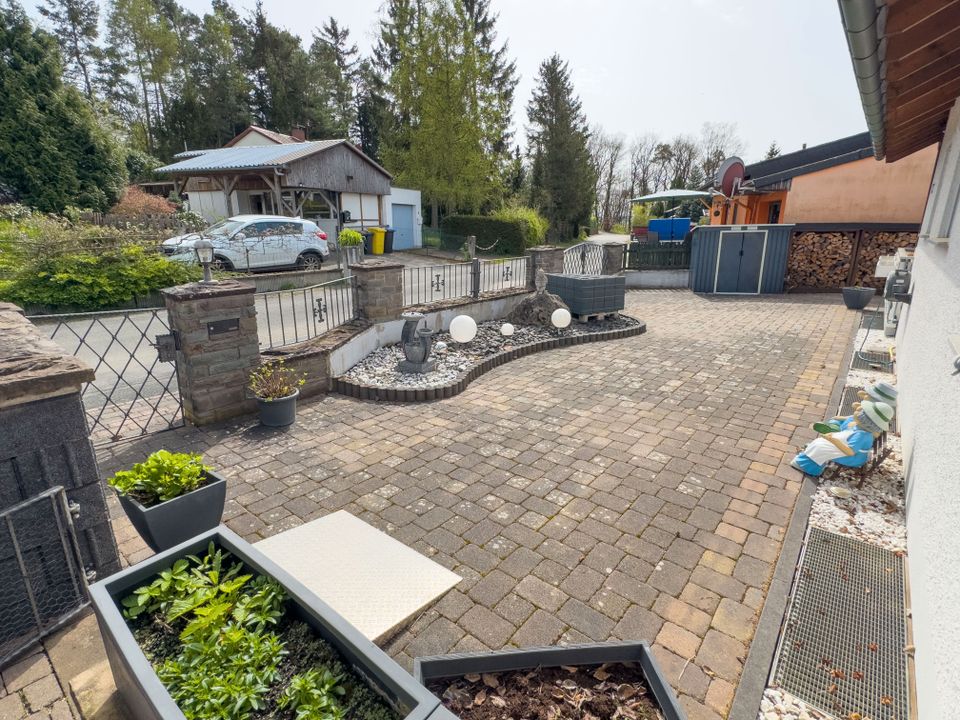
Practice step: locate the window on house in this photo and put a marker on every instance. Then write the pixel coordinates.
(952, 198)
(773, 213)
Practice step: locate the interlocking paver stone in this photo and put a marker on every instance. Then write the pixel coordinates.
(612, 459)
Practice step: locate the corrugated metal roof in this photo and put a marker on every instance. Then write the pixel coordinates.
(242, 158)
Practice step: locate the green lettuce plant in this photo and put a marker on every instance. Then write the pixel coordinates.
(161, 477)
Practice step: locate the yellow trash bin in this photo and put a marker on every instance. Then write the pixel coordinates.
(379, 234)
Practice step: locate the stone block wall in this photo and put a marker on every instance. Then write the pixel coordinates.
(547, 257)
(379, 289)
(44, 439)
(219, 346)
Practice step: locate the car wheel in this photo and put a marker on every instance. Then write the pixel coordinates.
(221, 263)
(309, 261)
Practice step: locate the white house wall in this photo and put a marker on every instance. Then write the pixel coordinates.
(930, 424)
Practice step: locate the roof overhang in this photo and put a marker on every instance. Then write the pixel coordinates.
(677, 194)
(906, 60)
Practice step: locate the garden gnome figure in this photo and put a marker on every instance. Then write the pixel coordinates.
(850, 445)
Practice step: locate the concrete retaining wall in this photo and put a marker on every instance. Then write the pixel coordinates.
(658, 278)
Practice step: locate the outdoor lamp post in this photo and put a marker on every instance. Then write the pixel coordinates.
(204, 250)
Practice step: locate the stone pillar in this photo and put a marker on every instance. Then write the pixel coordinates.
(379, 289)
(613, 258)
(218, 347)
(472, 246)
(544, 256)
(44, 442)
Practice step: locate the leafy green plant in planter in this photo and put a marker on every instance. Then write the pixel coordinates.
(170, 497)
(223, 645)
(276, 388)
(349, 238)
(162, 476)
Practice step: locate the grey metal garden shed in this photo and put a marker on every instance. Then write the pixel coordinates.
(739, 259)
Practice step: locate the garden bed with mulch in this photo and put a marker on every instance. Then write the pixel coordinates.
(612, 691)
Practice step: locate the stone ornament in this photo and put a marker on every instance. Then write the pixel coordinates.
(416, 344)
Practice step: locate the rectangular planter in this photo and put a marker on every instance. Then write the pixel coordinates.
(589, 294)
(170, 523)
(428, 669)
(148, 699)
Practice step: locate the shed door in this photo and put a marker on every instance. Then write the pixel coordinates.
(740, 262)
(403, 227)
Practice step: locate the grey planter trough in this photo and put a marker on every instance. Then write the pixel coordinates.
(857, 298)
(438, 667)
(280, 412)
(148, 699)
(589, 294)
(170, 523)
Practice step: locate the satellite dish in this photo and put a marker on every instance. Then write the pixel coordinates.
(730, 175)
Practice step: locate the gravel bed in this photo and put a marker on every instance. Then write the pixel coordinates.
(379, 368)
(873, 513)
(778, 704)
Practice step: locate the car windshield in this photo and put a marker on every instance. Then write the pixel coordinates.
(224, 228)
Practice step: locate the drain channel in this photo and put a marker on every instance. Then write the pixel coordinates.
(842, 647)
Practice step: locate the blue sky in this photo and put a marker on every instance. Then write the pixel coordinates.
(777, 69)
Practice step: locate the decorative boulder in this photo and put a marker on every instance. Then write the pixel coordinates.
(537, 307)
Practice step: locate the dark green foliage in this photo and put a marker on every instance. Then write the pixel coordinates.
(222, 644)
(562, 178)
(508, 236)
(53, 152)
(75, 27)
(162, 476)
(92, 281)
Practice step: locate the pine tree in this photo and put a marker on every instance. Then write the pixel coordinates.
(772, 151)
(75, 25)
(55, 153)
(335, 61)
(562, 178)
(372, 109)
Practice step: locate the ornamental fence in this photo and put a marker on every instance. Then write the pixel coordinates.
(287, 317)
(585, 258)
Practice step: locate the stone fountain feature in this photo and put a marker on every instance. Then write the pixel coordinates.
(416, 344)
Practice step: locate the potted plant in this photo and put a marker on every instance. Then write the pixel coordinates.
(170, 497)
(604, 680)
(214, 629)
(276, 388)
(352, 243)
(857, 297)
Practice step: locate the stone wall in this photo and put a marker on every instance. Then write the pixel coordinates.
(546, 257)
(216, 328)
(379, 289)
(44, 440)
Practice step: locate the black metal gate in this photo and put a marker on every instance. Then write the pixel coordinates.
(584, 258)
(42, 581)
(135, 392)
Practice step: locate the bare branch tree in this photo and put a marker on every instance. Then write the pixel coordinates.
(718, 141)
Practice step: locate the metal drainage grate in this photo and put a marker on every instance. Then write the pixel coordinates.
(871, 320)
(872, 361)
(849, 398)
(842, 648)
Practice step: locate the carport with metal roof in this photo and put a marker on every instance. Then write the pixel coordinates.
(291, 174)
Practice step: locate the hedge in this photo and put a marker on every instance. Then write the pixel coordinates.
(507, 236)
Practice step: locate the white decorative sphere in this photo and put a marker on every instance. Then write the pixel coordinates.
(506, 329)
(560, 318)
(463, 328)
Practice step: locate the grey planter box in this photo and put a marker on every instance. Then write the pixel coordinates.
(170, 523)
(148, 699)
(856, 297)
(438, 667)
(589, 294)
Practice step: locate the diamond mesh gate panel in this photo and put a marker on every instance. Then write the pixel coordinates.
(842, 647)
(133, 393)
(583, 259)
(42, 583)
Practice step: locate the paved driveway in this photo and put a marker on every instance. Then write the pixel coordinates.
(636, 489)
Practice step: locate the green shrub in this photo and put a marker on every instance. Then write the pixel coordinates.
(620, 229)
(274, 380)
(535, 226)
(349, 238)
(506, 237)
(94, 280)
(161, 477)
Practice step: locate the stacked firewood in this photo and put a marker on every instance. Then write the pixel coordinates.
(874, 244)
(819, 260)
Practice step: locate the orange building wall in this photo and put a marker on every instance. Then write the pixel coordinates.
(864, 191)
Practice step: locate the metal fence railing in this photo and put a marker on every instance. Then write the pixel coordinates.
(430, 283)
(503, 274)
(294, 316)
(584, 258)
(656, 257)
